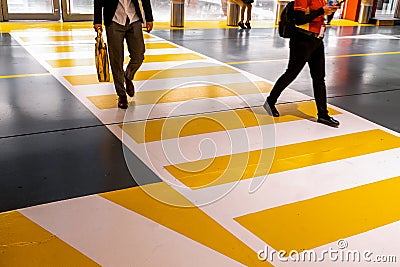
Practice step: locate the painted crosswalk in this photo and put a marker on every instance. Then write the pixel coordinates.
(234, 179)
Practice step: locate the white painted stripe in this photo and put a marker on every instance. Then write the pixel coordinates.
(370, 36)
(89, 40)
(81, 70)
(144, 112)
(89, 54)
(249, 139)
(165, 84)
(114, 236)
(305, 183)
(45, 32)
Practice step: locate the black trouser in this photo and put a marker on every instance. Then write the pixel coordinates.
(304, 49)
(330, 17)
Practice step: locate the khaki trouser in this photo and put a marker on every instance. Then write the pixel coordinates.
(133, 35)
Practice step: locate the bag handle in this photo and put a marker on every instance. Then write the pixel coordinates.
(99, 33)
(100, 37)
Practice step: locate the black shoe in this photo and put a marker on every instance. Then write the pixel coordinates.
(248, 25)
(271, 107)
(122, 102)
(130, 89)
(241, 25)
(328, 120)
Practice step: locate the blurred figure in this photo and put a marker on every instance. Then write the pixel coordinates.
(224, 6)
(245, 5)
(335, 3)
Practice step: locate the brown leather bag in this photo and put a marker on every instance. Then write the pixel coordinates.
(101, 57)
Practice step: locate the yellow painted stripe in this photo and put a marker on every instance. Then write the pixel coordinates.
(184, 218)
(76, 80)
(65, 38)
(318, 221)
(170, 57)
(90, 47)
(185, 93)
(24, 243)
(208, 172)
(63, 48)
(71, 62)
(23, 75)
(159, 45)
(74, 62)
(162, 129)
(338, 56)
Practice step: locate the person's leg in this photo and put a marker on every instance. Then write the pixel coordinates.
(136, 48)
(317, 71)
(115, 39)
(249, 7)
(298, 56)
(242, 10)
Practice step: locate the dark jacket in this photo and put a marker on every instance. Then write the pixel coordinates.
(110, 6)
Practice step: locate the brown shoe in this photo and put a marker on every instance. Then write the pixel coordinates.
(123, 102)
(130, 89)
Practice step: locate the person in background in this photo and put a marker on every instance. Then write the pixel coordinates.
(245, 5)
(330, 16)
(123, 20)
(306, 46)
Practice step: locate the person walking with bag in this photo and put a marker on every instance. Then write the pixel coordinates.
(123, 20)
(306, 46)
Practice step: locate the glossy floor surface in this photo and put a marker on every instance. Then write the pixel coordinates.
(195, 172)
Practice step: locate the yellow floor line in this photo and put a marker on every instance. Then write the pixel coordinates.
(318, 221)
(23, 75)
(184, 94)
(24, 243)
(6, 27)
(366, 55)
(186, 219)
(74, 62)
(169, 128)
(230, 168)
(77, 80)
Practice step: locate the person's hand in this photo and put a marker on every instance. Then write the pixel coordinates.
(328, 10)
(149, 26)
(335, 7)
(97, 27)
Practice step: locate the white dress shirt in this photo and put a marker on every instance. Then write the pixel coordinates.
(125, 9)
